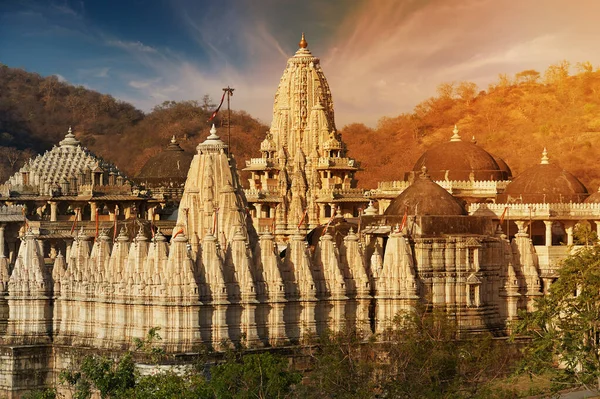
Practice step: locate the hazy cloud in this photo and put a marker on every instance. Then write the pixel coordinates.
(135, 46)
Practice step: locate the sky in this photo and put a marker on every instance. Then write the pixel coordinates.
(380, 57)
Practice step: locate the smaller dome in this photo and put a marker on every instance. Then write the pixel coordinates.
(544, 183)
(594, 198)
(425, 197)
(268, 145)
(168, 166)
(332, 143)
(503, 166)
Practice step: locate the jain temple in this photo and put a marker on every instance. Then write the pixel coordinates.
(90, 259)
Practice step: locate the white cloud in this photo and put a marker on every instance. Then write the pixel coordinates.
(133, 46)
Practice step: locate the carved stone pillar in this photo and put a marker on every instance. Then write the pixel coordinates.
(548, 224)
(93, 208)
(258, 210)
(2, 227)
(322, 212)
(569, 229)
(53, 211)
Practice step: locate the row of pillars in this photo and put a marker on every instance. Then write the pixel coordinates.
(569, 228)
(150, 213)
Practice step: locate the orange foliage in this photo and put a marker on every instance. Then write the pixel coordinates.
(514, 119)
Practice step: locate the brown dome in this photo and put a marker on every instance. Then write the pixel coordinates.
(425, 197)
(503, 166)
(594, 198)
(544, 183)
(169, 166)
(459, 160)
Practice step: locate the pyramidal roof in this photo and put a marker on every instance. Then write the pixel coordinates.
(212, 203)
(63, 162)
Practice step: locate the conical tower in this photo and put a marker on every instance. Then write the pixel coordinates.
(303, 126)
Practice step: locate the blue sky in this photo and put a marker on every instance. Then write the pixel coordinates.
(381, 57)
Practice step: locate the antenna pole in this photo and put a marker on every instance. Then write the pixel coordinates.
(229, 92)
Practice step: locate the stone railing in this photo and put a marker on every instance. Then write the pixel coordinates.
(341, 192)
(540, 210)
(259, 162)
(329, 162)
(477, 185)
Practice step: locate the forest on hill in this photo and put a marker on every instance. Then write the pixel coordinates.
(514, 119)
(36, 112)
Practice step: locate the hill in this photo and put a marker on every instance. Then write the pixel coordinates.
(515, 118)
(36, 111)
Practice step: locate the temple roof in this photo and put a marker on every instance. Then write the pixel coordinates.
(545, 182)
(425, 197)
(460, 160)
(59, 165)
(168, 166)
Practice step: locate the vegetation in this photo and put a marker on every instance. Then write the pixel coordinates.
(510, 119)
(514, 119)
(565, 328)
(36, 111)
(423, 359)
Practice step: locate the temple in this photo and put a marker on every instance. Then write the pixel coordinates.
(303, 175)
(297, 252)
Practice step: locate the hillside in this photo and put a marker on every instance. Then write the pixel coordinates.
(36, 111)
(513, 119)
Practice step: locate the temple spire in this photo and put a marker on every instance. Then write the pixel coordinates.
(303, 43)
(545, 158)
(455, 136)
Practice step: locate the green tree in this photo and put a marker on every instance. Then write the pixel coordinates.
(260, 376)
(343, 366)
(565, 327)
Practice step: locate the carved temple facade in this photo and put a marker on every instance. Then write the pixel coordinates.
(289, 257)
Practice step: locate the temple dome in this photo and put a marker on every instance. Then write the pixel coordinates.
(503, 166)
(425, 197)
(594, 198)
(460, 160)
(168, 166)
(68, 163)
(544, 183)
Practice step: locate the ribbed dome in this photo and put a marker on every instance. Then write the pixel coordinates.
(425, 197)
(594, 198)
(544, 183)
(460, 160)
(168, 166)
(503, 166)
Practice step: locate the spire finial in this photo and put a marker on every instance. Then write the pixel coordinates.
(474, 140)
(70, 129)
(213, 129)
(303, 43)
(173, 140)
(455, 136)
(545, 158)
(424, 174)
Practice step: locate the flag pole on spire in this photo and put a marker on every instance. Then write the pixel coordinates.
(229, 91)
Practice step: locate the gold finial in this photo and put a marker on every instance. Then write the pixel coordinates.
(303, 43)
